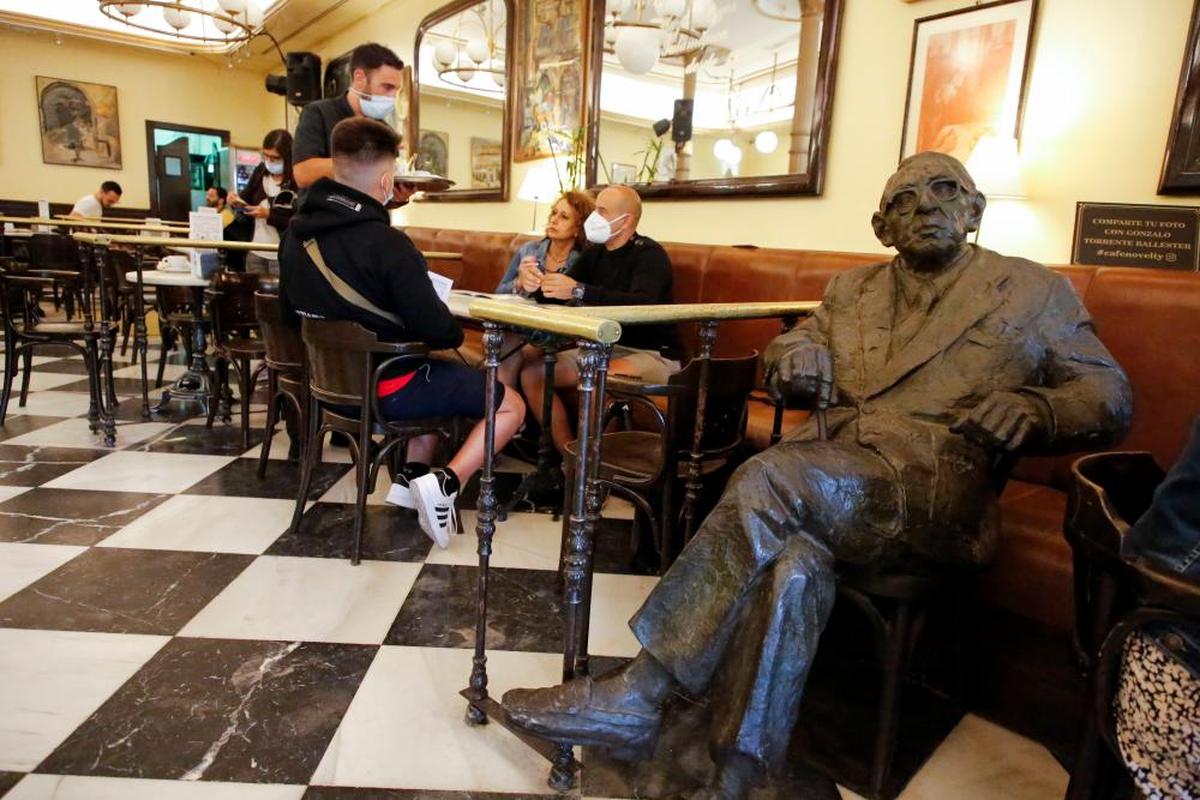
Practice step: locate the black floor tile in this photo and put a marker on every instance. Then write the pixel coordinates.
(524, 610)
(71, 516)
(220, 440)
(118, 590)
(130, 410)
(66, 366)
(239, 478)
(18, 425)
(355, 793)
(327, 531)
(8, 780)
(123, 386)
(221, 710)
(24, 465)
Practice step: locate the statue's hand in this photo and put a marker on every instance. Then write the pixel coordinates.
(1003, 420)
(804, 374)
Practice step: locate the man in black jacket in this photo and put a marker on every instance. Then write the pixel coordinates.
(622, 267)
(343, 228)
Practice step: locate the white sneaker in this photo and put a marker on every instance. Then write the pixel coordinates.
(435, 508)
(401, 494)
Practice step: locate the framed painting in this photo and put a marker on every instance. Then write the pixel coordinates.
(551, 42)
(79, 123)
(1181, 164)
(486, 162)
(433, 152)
(966, 77)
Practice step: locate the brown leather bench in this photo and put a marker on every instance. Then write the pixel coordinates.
(1147, 318)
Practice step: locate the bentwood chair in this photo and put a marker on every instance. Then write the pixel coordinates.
(648, 466)
(93, 337)
(284, 359)
(1115, 598)
(344, 363)
(236, 342)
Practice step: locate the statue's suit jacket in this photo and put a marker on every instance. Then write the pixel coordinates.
(1006, 324)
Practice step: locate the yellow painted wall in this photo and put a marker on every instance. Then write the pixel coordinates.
(462, 122)
(1098, 105)
(150, 85)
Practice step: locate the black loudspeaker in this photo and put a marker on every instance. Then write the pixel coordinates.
(303, 78)
(681, 125)
(337, 76)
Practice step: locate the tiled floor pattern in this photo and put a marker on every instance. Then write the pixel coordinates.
(162, 637)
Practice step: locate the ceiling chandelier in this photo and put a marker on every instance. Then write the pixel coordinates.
(220, 21)
(643, 32)
(459, 59)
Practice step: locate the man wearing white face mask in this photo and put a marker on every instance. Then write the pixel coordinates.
(375, 78)
(622, 267)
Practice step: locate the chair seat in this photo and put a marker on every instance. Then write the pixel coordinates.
(248, 348)
(66, 330)
(627, 455)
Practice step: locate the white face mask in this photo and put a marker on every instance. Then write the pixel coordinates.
(597, 229)
(375, 106)
(273, 167)
(386, 189)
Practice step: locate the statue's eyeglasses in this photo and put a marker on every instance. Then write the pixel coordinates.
(942, 190)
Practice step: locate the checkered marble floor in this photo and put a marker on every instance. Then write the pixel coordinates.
(162, 636)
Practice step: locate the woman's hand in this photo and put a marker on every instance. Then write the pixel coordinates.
(258, 212)
(529, 277)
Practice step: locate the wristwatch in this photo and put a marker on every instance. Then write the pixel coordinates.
(577, 292)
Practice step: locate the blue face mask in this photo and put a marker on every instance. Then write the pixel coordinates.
(375, 106)
(273, 167)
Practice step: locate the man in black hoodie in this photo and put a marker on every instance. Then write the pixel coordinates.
(343, 229)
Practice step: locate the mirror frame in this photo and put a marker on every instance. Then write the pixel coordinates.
(414, 116)
(801, 183)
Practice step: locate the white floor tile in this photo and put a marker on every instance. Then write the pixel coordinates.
(75, 433)
(9, 492)
(170, 372)
(54, 680)
(343, 490)
(615, 598)
(309, 599)
(22, 564)
(208, 524)
(84, 787)
(524, 540)
(405, 726)
(166, 473)
(983, 761)
(280, 443)
(40, 380)
(52, 404)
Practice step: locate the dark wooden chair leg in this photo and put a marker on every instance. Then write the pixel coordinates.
(310, 454)
(10, 375)
(273, 401)
(245, 389)
(167, 335)
(26, 374)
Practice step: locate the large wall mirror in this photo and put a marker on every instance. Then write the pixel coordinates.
(460, 115)
(705, 98)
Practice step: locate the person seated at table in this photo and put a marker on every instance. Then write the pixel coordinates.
(622, 268)
(557, 251)
(217, 198)
(346, 219)
(91, 206)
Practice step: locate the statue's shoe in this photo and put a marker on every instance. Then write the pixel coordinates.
(572, 713)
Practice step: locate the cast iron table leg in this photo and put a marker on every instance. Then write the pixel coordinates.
(196, 384)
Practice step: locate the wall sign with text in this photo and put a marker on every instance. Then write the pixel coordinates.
(1128, 235)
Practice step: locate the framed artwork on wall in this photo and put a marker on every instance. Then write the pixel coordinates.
(79, 123)
(1181, 164)
(966, 77)
(551, 41)
(485, 163)
(433, 152)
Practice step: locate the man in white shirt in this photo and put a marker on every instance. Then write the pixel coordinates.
(91, 206)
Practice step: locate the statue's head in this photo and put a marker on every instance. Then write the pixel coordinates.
(927, 209)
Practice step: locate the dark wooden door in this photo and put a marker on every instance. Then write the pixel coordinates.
(173, 180)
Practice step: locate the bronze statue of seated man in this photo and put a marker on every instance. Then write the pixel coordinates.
(937, 365)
